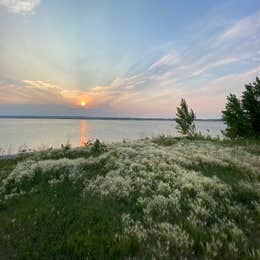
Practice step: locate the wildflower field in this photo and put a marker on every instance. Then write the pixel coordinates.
(163, 198)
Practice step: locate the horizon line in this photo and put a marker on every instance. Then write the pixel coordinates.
(98, 117)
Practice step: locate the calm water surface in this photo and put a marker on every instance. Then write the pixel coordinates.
(20, 134)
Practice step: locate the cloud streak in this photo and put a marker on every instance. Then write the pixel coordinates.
(46, 93)
(204, 72)
(243, 28)
(20, 6)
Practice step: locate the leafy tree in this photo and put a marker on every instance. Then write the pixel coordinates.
(185, 119)
(234, 117)
(251, 104)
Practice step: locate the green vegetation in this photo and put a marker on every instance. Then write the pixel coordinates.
(185, 119)
(238, 124)
(154, 198)
(243, 117)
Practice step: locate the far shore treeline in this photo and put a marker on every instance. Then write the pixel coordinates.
(101, 118)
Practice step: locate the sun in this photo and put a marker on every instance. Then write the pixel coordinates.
(83, 103)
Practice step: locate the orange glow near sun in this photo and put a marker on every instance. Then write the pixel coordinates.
(83, 103)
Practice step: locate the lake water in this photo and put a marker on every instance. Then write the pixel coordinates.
(20, 134)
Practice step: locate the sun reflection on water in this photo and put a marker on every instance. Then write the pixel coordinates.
(83, 132)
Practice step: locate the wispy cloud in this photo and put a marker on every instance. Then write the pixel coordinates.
(46, 93)
(30, 92)
(246, 27)
(20, 6)
(204, 72)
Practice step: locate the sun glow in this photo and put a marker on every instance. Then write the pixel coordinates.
(83, 103)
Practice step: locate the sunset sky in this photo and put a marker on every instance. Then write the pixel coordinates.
(125, 58)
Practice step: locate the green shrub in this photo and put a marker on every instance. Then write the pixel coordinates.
(97, 147)
(185, 119)
(238, 124)
(251, 105)
(243, 117)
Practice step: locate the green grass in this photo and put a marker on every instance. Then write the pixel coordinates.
(6, 166)
(164, 198)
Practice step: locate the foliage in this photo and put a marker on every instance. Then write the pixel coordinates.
(170, 140)
(185, 119)
(238, 124)
(243, 118)
(251, 104)
(165, 140)
(66, 147)
(148, 199)
(97, 147)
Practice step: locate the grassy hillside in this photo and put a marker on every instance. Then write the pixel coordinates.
(161, 198)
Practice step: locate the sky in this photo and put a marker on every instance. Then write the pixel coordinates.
(125, 58)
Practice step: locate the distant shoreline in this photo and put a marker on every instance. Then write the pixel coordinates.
(97, 118)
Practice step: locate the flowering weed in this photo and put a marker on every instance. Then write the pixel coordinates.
(142, 199)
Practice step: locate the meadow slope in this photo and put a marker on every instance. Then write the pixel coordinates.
(163, 198)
